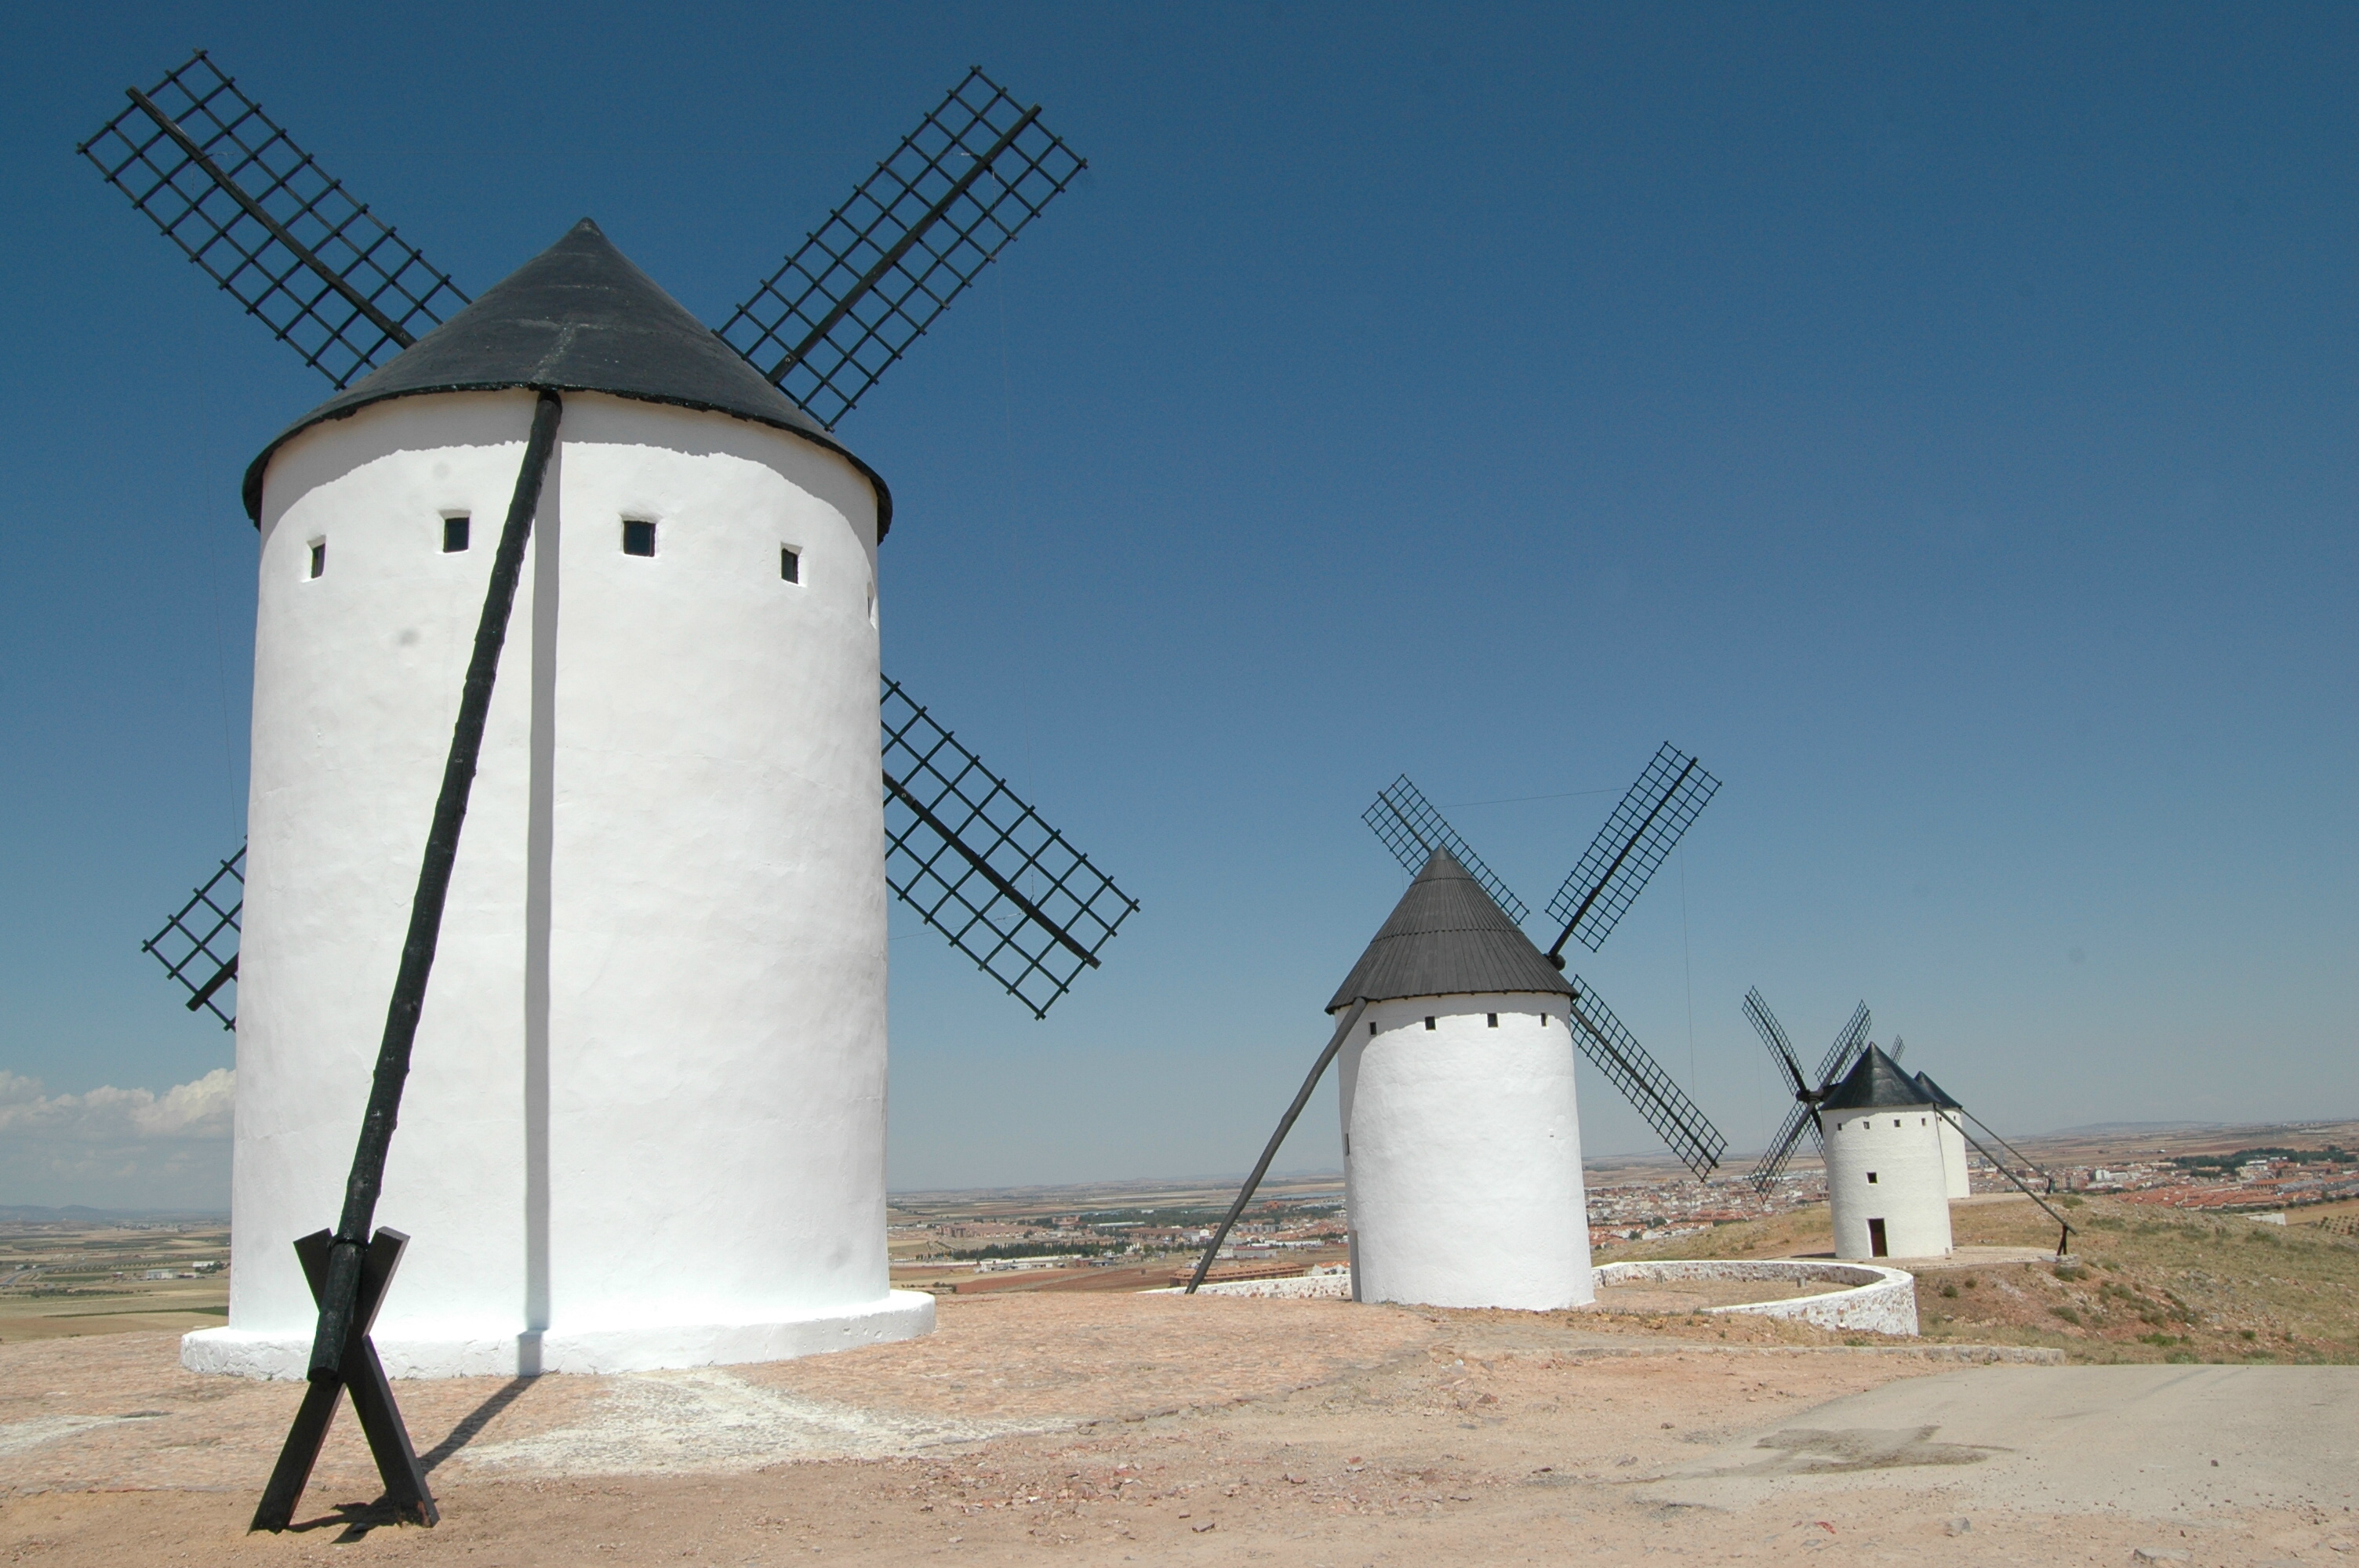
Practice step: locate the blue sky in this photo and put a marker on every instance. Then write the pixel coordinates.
(1939, 420)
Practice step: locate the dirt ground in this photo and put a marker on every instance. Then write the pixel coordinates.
(2144, 1285)
(1102, 1428)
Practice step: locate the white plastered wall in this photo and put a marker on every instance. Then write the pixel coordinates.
(1463, 1155)
(644, 1122)
(1901, 1148)
(1954, 1174)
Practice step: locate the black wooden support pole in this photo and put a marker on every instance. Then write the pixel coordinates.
(2064, 1240)
(363, 1375)
(1285, 1126)
(340, 1281)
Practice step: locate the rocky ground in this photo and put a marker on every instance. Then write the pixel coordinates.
(1172, 1430)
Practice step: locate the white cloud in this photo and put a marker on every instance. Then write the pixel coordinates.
(198, 1110)
(110, 1148)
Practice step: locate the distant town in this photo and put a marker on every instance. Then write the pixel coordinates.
(66, 1273)
(1143, 1236)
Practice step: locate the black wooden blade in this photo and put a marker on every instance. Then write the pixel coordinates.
(1848, 1043)
(225, 183)
(909, 239)
(1617, 1054)
(1803, 1118)
(1413, 830)
(984, 869)
(1627, 850)
(198, 947)
(1765, 1024)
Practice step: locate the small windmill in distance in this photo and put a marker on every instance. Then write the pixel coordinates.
(1461, 1133)
(1893, 1142)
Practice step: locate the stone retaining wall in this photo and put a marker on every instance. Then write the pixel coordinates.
(1866, 1296)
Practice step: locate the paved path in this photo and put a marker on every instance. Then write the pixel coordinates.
(2145, 1441)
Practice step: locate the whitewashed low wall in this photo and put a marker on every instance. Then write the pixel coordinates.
(1330, 1287)
(1866, 1296)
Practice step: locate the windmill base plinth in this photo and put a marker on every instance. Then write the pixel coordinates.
(417, 1351)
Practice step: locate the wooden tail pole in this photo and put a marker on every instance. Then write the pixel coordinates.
(2064, 1240)
(340, 1279)
(1285, 1126)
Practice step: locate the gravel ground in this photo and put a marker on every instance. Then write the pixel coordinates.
(1100, 1429)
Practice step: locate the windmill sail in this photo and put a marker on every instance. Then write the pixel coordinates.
(836, 315)
(198, 947)
(1634, 841)
(1848, 1043)
(225, 183)
(1643, 1082)
(1773, 1035)
(1803, 1118)
(984, 869)
(1413, 830)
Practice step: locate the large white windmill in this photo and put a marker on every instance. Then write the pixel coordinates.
(1462, 1127)
(646, 1125)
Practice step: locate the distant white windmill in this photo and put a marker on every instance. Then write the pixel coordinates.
(1893, 1143)
(1461, 1131)
(1887, 1184)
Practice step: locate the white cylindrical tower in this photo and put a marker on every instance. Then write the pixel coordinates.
(1887, 1186)
(644, 1122)
(1954, 1170)
(1461, 1134)
(1955, 1181)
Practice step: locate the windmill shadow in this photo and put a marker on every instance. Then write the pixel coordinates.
(355, 1519)
(472, 1424)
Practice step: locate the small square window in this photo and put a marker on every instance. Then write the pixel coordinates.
(638, 538)
(455, 535)
(318, 557)
(1429, 1023)
(1494, 1020)
(1871, 1178)
(790, 563)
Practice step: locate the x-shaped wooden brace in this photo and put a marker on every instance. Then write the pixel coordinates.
(363, 1375)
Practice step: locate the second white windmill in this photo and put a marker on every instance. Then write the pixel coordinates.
(1461, 1131)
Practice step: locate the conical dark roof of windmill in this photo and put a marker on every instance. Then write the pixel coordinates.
(1936, 1094)
(1447, 938)
(1874, 1081)
(580, 317)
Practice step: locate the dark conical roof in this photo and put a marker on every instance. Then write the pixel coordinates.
(1875, 1080)
(1936, 1094)
(580, 317)
(1447, 938)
